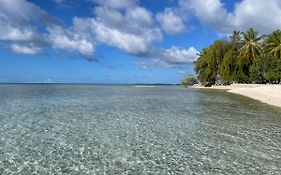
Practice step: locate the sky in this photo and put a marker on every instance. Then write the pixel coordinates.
(119, 41)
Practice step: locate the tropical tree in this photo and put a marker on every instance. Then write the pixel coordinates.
(260, 67)
(273, 75)
(235, 37)
(245, 58)
(209, 60)
(228, 66)
(250, 46)
(202, 67)
(189, 81)
(249, 50)
(273, 44)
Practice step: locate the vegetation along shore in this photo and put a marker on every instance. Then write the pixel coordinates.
(247, 58)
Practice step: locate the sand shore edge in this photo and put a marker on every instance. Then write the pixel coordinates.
(266, 93)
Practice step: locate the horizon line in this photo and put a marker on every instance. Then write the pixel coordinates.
(73, 83)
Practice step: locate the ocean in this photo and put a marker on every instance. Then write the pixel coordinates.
(96, 129)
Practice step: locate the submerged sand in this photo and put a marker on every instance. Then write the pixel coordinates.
(270, 94)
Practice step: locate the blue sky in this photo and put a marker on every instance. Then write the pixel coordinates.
(118, 41)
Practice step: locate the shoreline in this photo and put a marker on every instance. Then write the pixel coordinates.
(266, 93)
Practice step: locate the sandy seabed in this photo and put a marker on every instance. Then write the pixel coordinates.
(90, 129)
(266, 93)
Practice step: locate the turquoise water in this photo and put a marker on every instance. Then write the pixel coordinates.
(84, 129)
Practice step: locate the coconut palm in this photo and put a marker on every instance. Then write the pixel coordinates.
(250, 47)
(235, 37)
(273, 44)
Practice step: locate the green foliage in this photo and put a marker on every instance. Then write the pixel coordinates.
(249, 50)
(273, 44)
(273, 73)
(227, 68)
(259, 67)
(189, 81)
(245, 58)
(250, 46)
(209, 60)
(235, 37)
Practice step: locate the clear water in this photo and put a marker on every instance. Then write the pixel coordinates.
(80, 129)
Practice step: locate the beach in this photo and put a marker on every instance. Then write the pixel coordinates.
(266, 93)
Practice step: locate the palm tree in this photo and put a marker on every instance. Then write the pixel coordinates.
(235, 37)
(273, 44)
(250, 47)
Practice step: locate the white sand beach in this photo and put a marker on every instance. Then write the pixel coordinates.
(270, 94)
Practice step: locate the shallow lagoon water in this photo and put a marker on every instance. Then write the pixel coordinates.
(87, 129)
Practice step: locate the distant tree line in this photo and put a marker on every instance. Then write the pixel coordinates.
(245, 58)
(189, 81)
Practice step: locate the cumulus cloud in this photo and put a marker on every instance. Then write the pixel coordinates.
(170, 22)
(173, 57)
(118, 4)
(122, 24)
(132, 30)
(264, 16)
(20, 12)
(18, 24)
(13, 33)
(26, 49)
(68, 40)
(16, 19)
(128, 42)
(211, 13)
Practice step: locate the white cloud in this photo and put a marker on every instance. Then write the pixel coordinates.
(170, 58)
(170, 22)
(68, 40)
(17, 19)
(140, 16)
(118, 4)
(264, 16)
(9, 32)
(132, 30)
(211, 13)
(121, 24)
(25, 49)
(110, 17)
(128, 42)
(175, 55)
(20, 12)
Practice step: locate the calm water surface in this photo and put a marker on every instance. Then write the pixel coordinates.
(83, 129)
